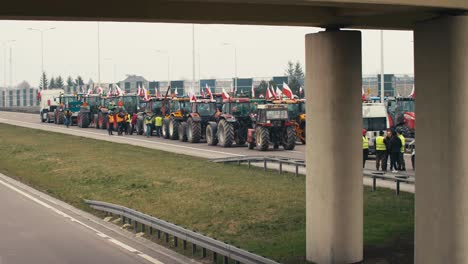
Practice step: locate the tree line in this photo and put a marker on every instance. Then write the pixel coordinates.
(58, 82)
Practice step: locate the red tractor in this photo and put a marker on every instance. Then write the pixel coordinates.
(401, 115)
(194, 129)
(231, 124)
(272, 126)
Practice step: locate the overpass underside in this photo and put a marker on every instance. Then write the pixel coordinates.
(333, 78)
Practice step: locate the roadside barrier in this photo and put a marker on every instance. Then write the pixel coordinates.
(199, 242)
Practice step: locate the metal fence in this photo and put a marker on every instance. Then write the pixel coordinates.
(219, 249)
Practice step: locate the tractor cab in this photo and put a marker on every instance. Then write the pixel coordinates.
(204, 108)
(193, 128)
(296, 111)
(180, 107)
(401, 114)
(238, 107)
(272, 115)
(254, 103)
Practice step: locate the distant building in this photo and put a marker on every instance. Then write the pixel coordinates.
(131, 83)
(21, 95)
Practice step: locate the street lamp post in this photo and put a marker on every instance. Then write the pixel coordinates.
(42, 50)
(382, 79)
(4, 43)
(235, 63)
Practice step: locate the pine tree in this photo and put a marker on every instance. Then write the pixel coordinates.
(44, 82)
(79, 81)
(52, 83)
(70, 81)
(59, 82)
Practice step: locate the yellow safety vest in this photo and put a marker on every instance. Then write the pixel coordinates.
(128, 118)
(379, 143)
(403, 141)
(148, 121)
(365, 143)
(158, 121)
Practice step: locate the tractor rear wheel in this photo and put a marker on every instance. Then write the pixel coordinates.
(193, 131)
(289, 139)
(183, 132)
(211, 131)
(225, 133)
(85, 120)
(263, 138)
(165, 129)
(174, 129)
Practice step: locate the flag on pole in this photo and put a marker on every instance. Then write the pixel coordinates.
(287, 91)
(413, 93)
(363, 96)
(100, 90)
(139, 91)
(145, 94)
(268, 94)
(279, 93)
(253, 91)
(90, 91)
(275, 96)
(109, 92)
(175, 92)
(119, 91)
(301, 91)
(225, 95)
(208, 91)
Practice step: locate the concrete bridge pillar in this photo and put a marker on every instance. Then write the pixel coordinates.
(441, 72)
(334, 147)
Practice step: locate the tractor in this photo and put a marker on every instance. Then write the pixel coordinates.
(231, 124)
(193, 130)
(296, 109)
(272, 126)
(88, 110)
(68, 102)
(179, 108)
(401, 115)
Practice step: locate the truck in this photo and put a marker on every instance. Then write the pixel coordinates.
(49, 101)
(401, 115)
(374, 120)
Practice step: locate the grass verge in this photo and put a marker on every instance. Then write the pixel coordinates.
(259, 211)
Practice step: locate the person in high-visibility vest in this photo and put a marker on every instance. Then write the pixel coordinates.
(158, 125)
(110, 126)
(401, 163)
(365, 147)
(127, 123)
(381, 152)
(120, 122)
(148, 121)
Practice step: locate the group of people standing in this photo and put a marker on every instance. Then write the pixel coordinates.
(125, 122)
(390, 145)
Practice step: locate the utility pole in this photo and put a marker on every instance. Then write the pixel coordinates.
(193, 57)
(99, 53)
(11, 68)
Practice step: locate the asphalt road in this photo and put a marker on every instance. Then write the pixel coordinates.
(36, 228)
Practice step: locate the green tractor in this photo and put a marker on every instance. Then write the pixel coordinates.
(272, 126)
(68, 102)
(88, 111)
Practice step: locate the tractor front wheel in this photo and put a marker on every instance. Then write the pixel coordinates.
(165, 129)
(193, 131)
(225, 134)
(174, 129)
(183, 132)
(289, 139)
(263, 138)
(211, 131)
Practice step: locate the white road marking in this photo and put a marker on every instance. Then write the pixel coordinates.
(8, 121)
(116, 242)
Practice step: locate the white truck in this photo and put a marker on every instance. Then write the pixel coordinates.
(374, 119)
(48, 103)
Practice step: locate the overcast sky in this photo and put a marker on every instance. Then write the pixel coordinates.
(130, 48)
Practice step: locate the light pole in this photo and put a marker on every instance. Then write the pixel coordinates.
(99, 53)
(235, 63)
(382, 85)
(168, 65)
(42, 50)
(4, 44)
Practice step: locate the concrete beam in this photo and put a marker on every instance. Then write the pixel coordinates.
(334, 192)
(441, 67)
(351, 13)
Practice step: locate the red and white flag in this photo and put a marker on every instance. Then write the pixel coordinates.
(90, 91)
(253, 91)
(268, 94)
(301, 91)
(100, 90)
(287, 91)
(225, 95)
(119, 91)
(363, 96)
(139, 90)
(279, 93)
(193, 97)
(175, 92)
(413, 94)
(273, 93)
(145, 94)
(109, 92)
(208, 91)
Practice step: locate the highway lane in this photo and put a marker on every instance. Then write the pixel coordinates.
(39, 229)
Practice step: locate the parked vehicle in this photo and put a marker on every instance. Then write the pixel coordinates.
(297, 115)
(179, 108)
(374, 120)
(401, 115)
(194, 129)
(49, 101)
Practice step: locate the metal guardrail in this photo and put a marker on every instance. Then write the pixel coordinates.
(265, 159)
(217, 247)
(397, 178)
(21, 109)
